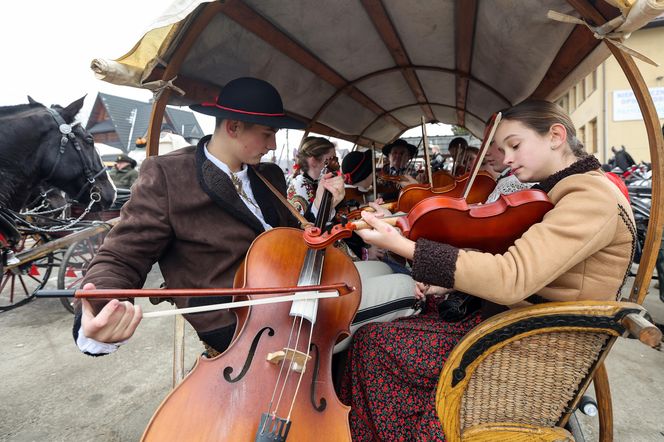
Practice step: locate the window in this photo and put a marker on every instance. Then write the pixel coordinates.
(591, 143)
(581, 92)
(581, 135)
(592, 82)
(572, 99)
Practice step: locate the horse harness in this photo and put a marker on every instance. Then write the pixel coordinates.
(68, 136)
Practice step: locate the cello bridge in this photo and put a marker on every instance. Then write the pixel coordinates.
(295, 358)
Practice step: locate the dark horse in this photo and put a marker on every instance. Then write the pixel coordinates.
(44, 146)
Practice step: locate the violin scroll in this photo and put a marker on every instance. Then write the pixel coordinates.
(316, 238)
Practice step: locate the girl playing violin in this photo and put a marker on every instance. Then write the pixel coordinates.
(581, 250)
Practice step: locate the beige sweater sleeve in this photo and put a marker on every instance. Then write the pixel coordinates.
(582, 222)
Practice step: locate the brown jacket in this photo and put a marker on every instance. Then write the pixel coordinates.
(582, 249)
(185, 214)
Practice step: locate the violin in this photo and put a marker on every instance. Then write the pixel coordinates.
(274, 382)
(475, 186)
(491, 227)
(479, 191)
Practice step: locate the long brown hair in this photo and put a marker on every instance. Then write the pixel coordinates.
(540, 115)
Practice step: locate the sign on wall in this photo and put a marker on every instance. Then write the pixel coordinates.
(626, 108)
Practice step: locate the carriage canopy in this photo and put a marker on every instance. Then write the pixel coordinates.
(367, 70)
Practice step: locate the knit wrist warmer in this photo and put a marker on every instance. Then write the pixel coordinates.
(434, 263)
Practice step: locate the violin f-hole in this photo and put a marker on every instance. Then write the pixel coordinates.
(314, 377)
(250, 356)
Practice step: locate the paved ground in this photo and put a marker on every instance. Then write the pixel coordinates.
(51, 392)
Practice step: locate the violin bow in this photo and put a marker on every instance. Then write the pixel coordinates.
(455, 160)
(480, 157)
(374, 179)
(427, 160)
(304, 223)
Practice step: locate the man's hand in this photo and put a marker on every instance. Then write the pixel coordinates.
(335, 184)
(379, 211)
(406, 180)
(116, 322)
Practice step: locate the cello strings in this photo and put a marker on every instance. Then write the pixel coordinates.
(305, 275)
(290, 362)
(281, 370)
(299, 381)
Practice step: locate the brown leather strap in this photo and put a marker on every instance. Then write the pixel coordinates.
(304, 223)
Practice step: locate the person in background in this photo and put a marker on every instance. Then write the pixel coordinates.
(124, 172)
(399, 153)
(311, 158)
(457, 149)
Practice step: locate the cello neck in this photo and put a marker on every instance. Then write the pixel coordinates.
(325, 209)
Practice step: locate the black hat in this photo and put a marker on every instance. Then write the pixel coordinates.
(356, 166)
(412, 150)
(126, 159)
(251, 100)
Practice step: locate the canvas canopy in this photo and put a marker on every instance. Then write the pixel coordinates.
(368, 70)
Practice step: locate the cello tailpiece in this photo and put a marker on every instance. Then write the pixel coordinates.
(272, 429)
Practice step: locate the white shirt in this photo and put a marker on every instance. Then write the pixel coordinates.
(243, 176)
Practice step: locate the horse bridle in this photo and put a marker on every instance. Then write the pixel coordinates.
(68, 136)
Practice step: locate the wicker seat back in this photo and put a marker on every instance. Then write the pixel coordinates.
(527, 368)
(530, 380)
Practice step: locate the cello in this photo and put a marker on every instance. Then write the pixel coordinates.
(274, 381)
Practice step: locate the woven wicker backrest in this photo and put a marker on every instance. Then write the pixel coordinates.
(530, 380)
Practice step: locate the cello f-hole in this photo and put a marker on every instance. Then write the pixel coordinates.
(314, 378)
(250, 356)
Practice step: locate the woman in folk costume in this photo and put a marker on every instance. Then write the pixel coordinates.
(581, 250)
(311, 158)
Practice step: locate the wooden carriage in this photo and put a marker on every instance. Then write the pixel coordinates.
(366, 71)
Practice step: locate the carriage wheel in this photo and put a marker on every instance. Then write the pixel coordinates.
(74, 264)
(20, 283)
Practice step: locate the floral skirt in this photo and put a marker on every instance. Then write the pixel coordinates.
(392, 374)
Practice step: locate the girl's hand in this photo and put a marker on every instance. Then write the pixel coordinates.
(422, 290)
(385, 236)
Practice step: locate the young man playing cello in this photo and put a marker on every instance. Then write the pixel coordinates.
(196, 212)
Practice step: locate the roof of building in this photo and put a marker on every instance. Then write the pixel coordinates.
(130, 120)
